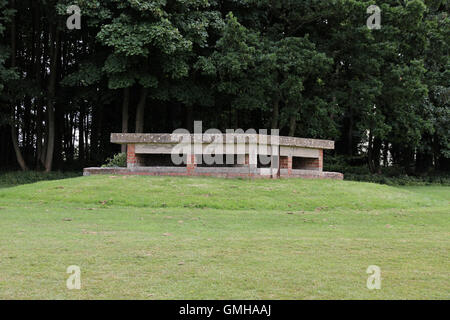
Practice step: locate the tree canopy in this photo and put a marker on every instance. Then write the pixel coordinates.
(309, 68)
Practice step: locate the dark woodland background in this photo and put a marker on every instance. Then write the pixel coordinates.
(311, 68)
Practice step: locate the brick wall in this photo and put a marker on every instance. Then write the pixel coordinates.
(131, 156)
(125, 171)
(315, 164)
(191, 164)
(310, 163)
(286, 163)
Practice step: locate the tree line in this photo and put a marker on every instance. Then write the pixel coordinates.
(311, 68)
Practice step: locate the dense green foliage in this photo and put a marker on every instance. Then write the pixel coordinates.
(392, 175)
(119, 160)
(310, 68)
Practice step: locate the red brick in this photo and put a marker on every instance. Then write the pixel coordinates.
(131, 155)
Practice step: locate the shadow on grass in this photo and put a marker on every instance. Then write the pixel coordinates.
(15, 178)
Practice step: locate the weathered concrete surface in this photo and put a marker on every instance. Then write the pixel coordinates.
(311, 174)
(212, 172)
(167, 138)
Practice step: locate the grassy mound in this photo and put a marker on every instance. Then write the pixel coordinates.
(196, 238)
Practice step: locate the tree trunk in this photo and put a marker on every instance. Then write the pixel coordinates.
(81, 157)
(50, 137)
(376, 154)
(54, 35)
(370, 153)
(40, 71)
(86, 139)
(275, 113)
(292, 123)
(385, 154)
(140, 111)
(14, 137)
(189, 119)
(125, 105)
(93, 152)
(39, 119)
(350, 134)
(15, 141)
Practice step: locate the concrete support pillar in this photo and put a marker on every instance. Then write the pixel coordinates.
(131, 156)
(286, 163)
(321, 160)
(289, 166)
(191, 164)
(253, 167)
(275, 161)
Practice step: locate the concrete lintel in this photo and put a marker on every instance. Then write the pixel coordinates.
(167, 138)
(299, 152)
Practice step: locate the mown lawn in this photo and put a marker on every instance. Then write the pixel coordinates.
(207, 238)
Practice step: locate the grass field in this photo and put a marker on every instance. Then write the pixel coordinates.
(206, 238)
